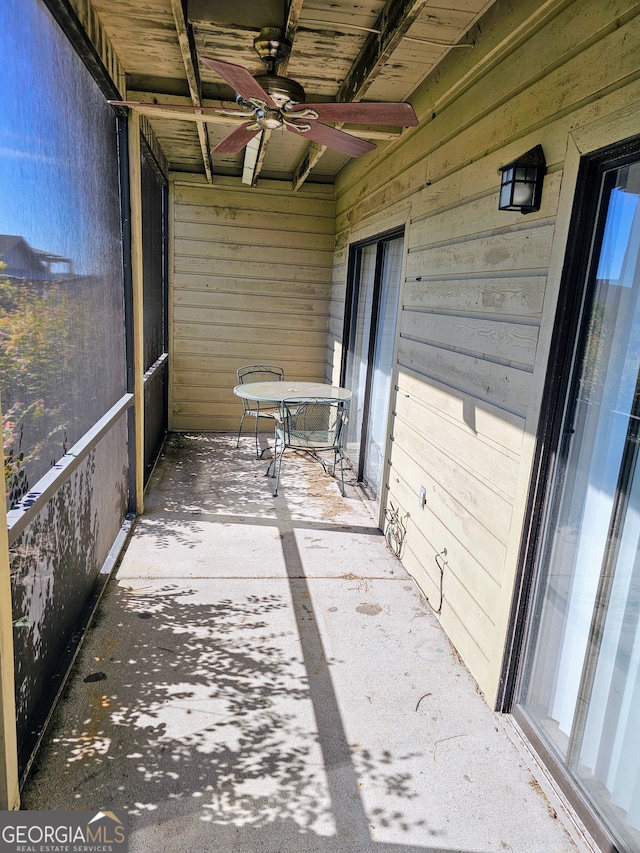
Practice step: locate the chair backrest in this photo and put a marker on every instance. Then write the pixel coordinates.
(315, 424)
(260, 373)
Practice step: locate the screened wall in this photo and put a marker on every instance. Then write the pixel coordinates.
(62, 340)
(154, 285)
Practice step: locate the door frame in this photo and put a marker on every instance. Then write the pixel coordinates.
(568, 338)
(567, 343)
(351, 297)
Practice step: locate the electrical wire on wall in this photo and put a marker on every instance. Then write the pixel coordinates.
(394, 534)
(395, 530)
(441, 562)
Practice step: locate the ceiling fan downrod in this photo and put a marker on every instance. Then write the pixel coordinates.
(272, 46)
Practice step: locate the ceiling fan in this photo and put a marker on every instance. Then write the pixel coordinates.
(269, 101)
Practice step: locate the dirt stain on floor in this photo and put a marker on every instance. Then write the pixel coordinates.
(369, 609)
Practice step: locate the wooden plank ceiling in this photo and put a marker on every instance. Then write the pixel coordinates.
(372, 50)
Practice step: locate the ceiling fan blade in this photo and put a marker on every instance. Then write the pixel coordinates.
(367, 113)
(332, 138)
(237, 139)
(239, 79)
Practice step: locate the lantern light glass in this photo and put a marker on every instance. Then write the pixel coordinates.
(521, 185)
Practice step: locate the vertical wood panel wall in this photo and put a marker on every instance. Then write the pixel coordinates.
(481, 286)
(251, 283)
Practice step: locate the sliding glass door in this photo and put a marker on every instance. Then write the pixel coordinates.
(370, 326)
(581, 685)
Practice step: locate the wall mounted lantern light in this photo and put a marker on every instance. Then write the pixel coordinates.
(521, 186)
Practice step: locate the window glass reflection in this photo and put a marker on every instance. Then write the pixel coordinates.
(582, 688)
(62, 360)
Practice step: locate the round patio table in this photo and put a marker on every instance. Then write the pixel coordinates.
(276, 392)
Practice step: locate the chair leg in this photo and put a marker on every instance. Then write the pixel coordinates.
(240, 430)
(272, 461)
(275, 491)
(341, 475)
(258, 454)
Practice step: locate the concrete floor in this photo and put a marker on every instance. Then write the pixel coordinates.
(263, 676)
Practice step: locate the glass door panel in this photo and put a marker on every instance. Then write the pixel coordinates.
(581, 687)
(370, 338)
(358, 347)
(378, 414)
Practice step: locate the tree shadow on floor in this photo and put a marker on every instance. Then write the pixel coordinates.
(192, 708)
(214, 721)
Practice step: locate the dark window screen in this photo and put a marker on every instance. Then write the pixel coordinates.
(62, 357)
(62, 340)
(153, 262)
(154, 301)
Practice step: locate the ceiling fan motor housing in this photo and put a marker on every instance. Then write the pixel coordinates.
(284, 92)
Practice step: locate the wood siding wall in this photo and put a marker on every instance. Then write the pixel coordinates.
(251, 281)
(481, 286)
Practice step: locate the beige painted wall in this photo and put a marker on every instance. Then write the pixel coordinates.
(250, 282)
(481, 285)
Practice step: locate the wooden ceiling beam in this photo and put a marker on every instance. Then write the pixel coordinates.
(159, 106)
(312, 154)
(290, 30)
(392, 25)
(189, 58)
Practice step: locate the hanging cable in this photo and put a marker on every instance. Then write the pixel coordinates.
(395, 530)
(440, 563)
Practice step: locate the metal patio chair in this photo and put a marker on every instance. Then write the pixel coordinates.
(313, 426)
(257, 410)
